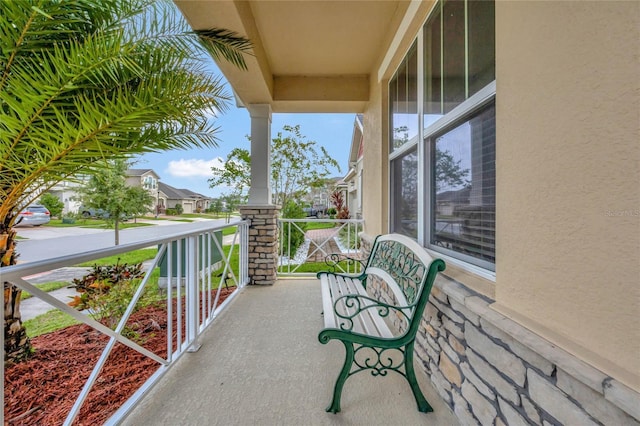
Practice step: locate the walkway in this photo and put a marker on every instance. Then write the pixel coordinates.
(317, 238)
(261, 364)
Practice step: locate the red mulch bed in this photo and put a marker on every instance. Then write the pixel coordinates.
(42, 390)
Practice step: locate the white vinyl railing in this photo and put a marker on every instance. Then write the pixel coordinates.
(187, 262)
(320, 241)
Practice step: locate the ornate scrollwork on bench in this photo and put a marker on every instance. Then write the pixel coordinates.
(341, 263)
(355, 305)
(379, 360)
(358, 309)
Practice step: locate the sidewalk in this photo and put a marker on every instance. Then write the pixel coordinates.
(32, 307)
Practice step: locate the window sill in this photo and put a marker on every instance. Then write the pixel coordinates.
(479, 279)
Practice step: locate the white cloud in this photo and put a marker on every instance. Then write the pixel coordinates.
(193, 167)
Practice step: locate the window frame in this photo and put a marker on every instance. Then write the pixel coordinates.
(457, 116)
(465, 114)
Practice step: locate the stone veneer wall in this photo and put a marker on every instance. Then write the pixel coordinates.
(492, 371)
(263, 242)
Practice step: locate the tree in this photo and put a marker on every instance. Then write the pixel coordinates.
(449, 173)
(52, 203)
(296, 166)
(139, 201)
(342, 210)
(107, 190)
(216, 206)
(83, 81)
(235, 172)
(231, 201)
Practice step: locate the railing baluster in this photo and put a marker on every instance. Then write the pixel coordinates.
(192, 270)
(192, 287)
(169, 255)
(286, 265)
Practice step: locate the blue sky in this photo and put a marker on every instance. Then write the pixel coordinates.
(191, 169)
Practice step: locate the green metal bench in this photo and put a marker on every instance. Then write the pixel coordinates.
(379, 330)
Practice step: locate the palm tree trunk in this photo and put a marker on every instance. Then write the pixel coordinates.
(17, 345)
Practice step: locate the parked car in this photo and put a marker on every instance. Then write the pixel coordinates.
(35, 215)
(316, 211)
(88, 212)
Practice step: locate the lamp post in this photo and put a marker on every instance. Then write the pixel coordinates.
(157, 203)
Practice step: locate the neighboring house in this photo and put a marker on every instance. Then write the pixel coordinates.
(147, 179)
(351, 183)
(66, 192)
(191, 202)
(531, 105)
(163, 194)
(448, 200)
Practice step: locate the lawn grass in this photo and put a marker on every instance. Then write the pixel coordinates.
(46, 287)
(99, 224)
(132, 257)
(312, 267)
(48, 322)
(229, 231)
(57, 223)
(320, 225)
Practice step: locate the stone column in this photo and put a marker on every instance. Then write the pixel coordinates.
(263, 242)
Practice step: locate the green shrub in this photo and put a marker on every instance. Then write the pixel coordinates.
(107, 290)
(52, 203)
(293, 233)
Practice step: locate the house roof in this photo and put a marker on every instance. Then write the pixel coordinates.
(141, 172)
(458, 196)
(308, 56)
(179, 194)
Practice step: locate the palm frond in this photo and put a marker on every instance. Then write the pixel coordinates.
(84, 81)
(225, 44)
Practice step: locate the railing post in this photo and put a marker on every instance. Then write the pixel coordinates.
(244, 255)
(192, 314)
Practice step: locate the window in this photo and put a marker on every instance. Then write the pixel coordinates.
(149, 182)
(463, 190)
(458, 55)
(403, 100)
(443, 175)
(404, 194)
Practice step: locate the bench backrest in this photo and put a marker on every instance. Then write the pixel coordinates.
(402, 262)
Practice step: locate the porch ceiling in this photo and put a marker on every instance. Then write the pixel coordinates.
(309, 56)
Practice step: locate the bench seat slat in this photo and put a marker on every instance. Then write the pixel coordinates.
(368, 321)
(327, 304)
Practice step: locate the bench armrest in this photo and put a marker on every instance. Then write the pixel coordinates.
(349, 306)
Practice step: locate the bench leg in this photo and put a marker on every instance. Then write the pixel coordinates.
(342, 377)
(423, 405)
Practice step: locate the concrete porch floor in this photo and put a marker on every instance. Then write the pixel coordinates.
(261, 364)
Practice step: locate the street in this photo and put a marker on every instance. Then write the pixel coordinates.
(49, 242)
(44, 242)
